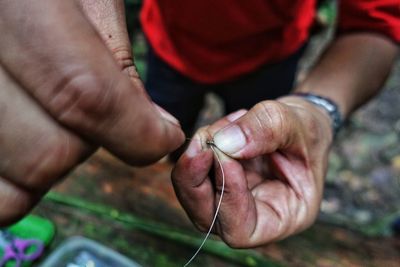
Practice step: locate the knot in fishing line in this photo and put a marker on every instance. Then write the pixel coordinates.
(211, 143)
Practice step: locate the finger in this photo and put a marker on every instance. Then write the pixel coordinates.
(78, 81)
(190, 178)
(192, 184)
(35, 152)
(272, 127)
(253, 166)
(224, 121)
(108, 18)
(268, 126)
(269, 212)
(14, 202)
(280, 212)
(237, 215)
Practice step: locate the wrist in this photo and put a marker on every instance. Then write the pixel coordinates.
(326, 104)
(321, 121)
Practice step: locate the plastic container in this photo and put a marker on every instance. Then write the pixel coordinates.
(34, 227)
(31, 227)
(82, 252)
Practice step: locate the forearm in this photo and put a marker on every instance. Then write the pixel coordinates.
(352, 70)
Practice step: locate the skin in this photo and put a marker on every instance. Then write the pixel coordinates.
(68, 86)
(275, 155)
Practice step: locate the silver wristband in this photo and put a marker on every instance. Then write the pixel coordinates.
(327, 104)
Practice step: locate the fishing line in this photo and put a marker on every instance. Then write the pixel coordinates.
(213, 148)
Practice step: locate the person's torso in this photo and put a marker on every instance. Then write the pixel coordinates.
(217, 40)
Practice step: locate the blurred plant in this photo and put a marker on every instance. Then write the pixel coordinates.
(132, 8)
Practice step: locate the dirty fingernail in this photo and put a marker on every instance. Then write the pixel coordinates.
(230, 140)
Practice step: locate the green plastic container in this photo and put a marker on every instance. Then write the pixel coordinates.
(32, 227)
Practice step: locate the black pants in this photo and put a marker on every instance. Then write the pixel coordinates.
(184, 98)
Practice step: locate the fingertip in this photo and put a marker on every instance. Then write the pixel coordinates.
(155, 143)
(173, 135)
(193, 149)
(230, 140)
(193, 167)
(167, 116)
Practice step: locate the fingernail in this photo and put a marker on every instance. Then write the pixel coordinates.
(167, 115)
(230, 140)
(193, 149)
(236, 115)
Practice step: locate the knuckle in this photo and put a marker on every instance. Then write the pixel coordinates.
(82, 98)
(14, 204)
(51, 162)
(270, 115)
(124, 59)
(233, 241)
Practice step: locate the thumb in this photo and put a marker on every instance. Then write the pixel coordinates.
(267, 127)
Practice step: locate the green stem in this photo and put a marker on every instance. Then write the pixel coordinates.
(213, 247)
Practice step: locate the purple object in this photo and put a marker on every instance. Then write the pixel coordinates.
(19, 250)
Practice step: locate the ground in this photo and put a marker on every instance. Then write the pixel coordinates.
(135, 211)
(119, 191)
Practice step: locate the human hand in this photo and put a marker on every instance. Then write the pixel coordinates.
(274, 159)
(66, 91)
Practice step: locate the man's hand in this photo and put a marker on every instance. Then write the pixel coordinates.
(274, 158)
(68, 85)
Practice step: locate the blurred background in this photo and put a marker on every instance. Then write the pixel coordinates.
(135, 211)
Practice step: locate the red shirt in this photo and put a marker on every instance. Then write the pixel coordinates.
(217, 40)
